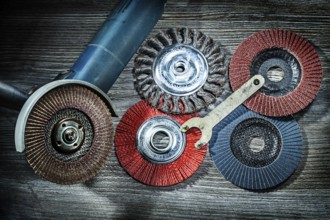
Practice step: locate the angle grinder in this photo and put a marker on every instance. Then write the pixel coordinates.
(65, 126)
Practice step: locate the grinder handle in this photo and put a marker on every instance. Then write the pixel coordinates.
(116, 42)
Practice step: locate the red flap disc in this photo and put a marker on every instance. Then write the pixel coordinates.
(151, 163)
(290, 65)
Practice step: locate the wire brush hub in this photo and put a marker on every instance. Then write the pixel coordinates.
(290, 66)
(180, 71)
(255, 152)
(67, 131)
(151, 148)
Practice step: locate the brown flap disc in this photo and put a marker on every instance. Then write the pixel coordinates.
(69, 134)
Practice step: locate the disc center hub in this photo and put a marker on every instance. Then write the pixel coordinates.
(256, 142)
(68, 135)
(159, 140)
(280, 69)
(180, 70)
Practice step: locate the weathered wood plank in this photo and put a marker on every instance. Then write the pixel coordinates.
(39, 39)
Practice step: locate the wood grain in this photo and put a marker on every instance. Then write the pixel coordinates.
(39, 39)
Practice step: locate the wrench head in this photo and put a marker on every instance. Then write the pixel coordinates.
(199, 123)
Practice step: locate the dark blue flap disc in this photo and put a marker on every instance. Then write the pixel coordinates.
(256, 152)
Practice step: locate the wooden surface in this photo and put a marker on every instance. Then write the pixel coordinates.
(42, 38)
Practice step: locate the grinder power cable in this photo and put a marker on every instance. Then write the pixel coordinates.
(65, 127)
(12, 97)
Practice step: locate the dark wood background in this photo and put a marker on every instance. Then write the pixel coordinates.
(41, 38)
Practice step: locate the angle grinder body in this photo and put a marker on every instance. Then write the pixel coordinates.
(65, 127)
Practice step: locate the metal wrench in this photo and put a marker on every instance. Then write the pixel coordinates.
(207, 123)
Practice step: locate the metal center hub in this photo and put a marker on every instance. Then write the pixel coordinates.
(280, 69)
(164, 129)
(180, 70)
(68, 135)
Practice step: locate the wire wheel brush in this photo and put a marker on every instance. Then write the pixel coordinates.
(180, 70)
(256, 152)
(290, 66)
(152, 149)
(67, 131)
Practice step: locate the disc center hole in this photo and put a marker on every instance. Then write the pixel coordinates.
(160, 141)
(275, 74)
(257, 144)
(180, 67)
